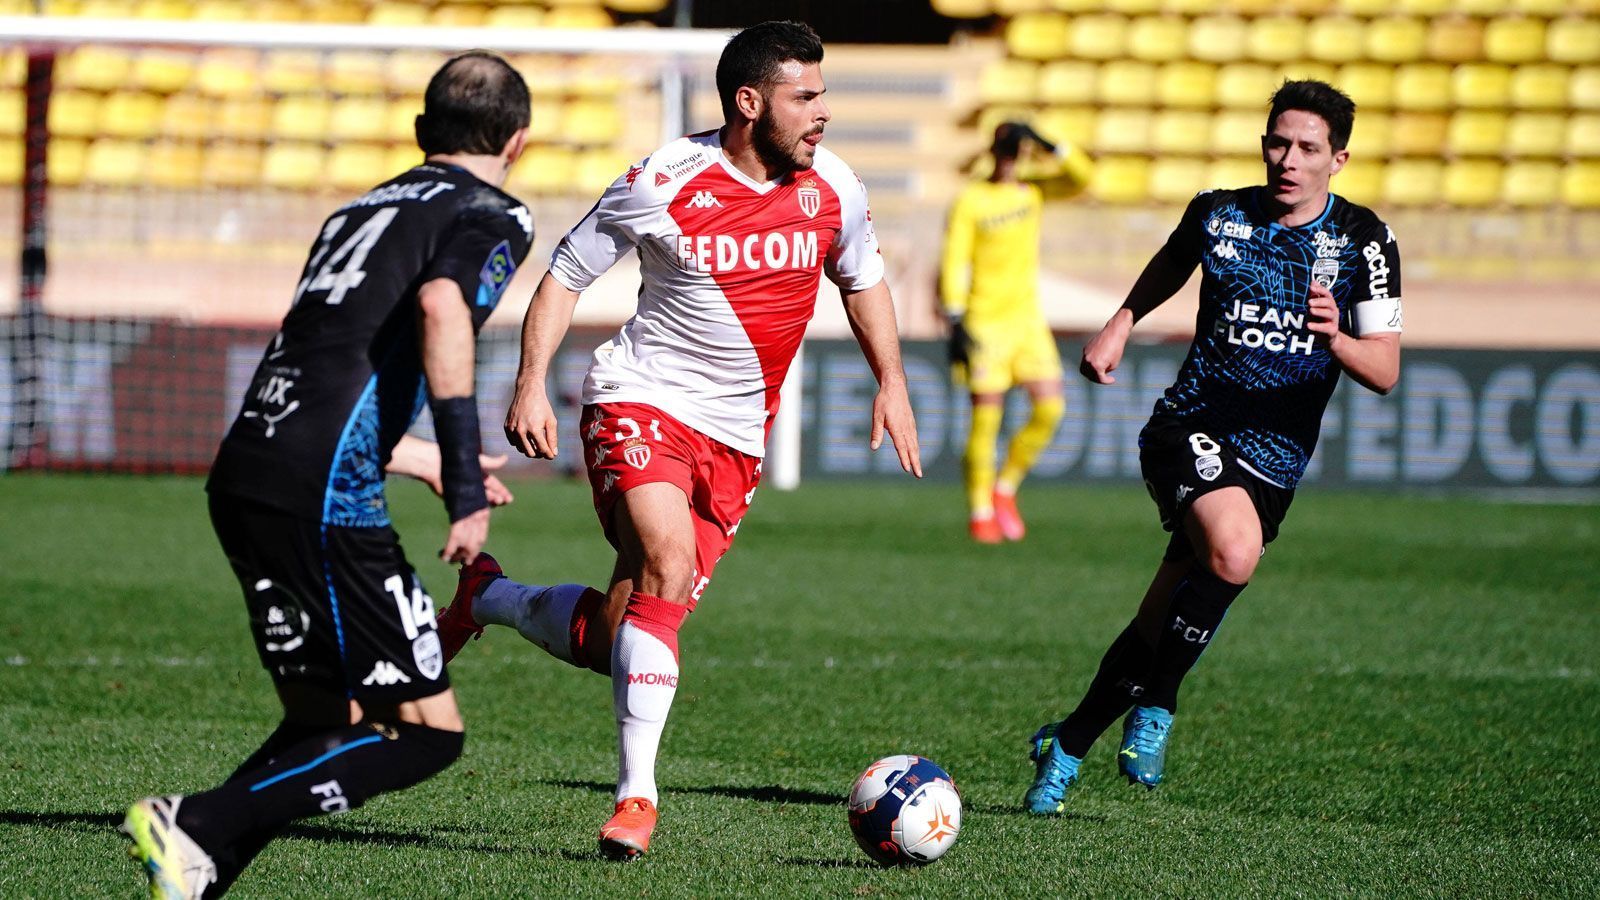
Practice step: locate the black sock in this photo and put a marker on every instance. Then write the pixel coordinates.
(1198, 606)
(232, 860)
(334, 771)
(1118, 683)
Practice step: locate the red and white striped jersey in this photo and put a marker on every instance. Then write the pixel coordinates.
(730, 269)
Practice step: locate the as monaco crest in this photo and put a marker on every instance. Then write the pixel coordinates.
(637, 456)
(810, 200)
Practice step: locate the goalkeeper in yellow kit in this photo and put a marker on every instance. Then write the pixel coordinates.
(998, 335)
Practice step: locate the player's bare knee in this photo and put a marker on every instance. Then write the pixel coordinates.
(668, 575)
(1234, 561)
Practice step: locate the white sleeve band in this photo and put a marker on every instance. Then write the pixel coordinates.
(1378, 316)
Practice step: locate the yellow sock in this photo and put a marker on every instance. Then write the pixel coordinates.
(1030, 441)
(980, 458)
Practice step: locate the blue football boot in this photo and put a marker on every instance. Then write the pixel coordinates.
(1055, 773)
(1144, 745)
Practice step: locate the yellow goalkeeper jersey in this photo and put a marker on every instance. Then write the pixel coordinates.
(990, 268)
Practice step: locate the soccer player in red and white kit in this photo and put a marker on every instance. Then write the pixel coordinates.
(734, 229)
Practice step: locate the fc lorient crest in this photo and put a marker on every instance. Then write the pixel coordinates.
(810, 198)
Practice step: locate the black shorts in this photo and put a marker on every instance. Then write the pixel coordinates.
(1181, 462)
(339, 608)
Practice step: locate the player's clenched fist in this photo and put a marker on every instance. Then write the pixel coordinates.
(531, 422)
(1103, 353)
(1324, 312)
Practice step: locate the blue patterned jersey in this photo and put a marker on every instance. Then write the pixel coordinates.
(342, 380)
(1256, 378)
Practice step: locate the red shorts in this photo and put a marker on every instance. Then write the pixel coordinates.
(626, 445)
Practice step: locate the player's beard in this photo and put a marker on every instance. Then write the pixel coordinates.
(778, 150)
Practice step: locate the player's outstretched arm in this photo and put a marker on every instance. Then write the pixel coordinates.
(1162, 277)
(1372, 360)
(871, 314)
(531, 420)
(416, 458)
(448, 357)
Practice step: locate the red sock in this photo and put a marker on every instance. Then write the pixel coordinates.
(657, 617)
(586, 634)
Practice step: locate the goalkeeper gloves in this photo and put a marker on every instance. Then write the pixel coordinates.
(961, 343)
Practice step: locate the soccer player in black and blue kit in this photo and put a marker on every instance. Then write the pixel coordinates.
(1298, 285)
(384, 320)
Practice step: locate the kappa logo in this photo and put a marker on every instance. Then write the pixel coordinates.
(1208, 467)
(1225, 250)
(593, 430)
(384, 674)
(609, 482)
(525, 218)
(637, 456)
(810, 199)
(703, 200)
(1183, 491)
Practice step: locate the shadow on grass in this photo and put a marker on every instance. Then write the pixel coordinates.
(811, 863)
(764, 794)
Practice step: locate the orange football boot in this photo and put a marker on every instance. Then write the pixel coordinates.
(985, 530)
(1008, 517)
(626, 835)
(455, 623)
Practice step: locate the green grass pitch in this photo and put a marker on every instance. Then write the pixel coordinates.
(1406, 702)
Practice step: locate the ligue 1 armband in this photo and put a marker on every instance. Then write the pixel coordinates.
(455, 424)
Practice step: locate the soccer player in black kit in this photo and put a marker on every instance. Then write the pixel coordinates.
(1298, 285)
(384, 319)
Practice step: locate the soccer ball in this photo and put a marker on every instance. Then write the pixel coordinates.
(905, 810)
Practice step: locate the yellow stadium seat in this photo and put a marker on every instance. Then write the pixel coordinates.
(544, 170)
(508, 16)
(392, 12)
(170, 10)
(1424, 8)
(1276, 39)
(1486, 9)
(1543, 87)
(595, 170)
(1098, 37)
(1067, 81)
(1547, 9)
(1583, 135)
(408, 71)
(114, 162)
(1008, 81)
(221, 11)
(1122, 131)
(584, 17)
(229, 73)
(1371, 86)
(10, 161)
(1193, 8)
(356, 72)
(1419, 134)
(1133, 8)
(294, 166)
(1514, 40)
(355, 166)
(13, 113)
(1531, 184)
(1042, 35)
(164, 72)
(1187, 84)
(1001, 7)
(1422, 86)
(963, 9)
(1218, 39)
(592, 122)
(1067, 123)
(1121, 179)
(277, 11)
(1481, 85)
(397, 159)
(1235, 172)
(1360, 181)
(637, 7)
(188, 116)
(458, 15)
(1159, 38)
(1455, 40)
(545, 122)
(1301, 70)
(1371, 136)
(1413, 182)
(13, 67)
(1536, 134)
(1337, 39)
(130, 114)
(1076, 7)
(359, 119)
(302, 118)
(106, 9)
(175, 164)
(231, 164)
(1366, 9)
(1477, 133)
(1585, 88)
(400, 121)
(335, 13)
(1238, 132)
(1181, 131)
(292, 72)
(1396, 40)
(74, 114)
(1580, 185)
(66, 157)
(94, 68)
(1575, 41)
(1126, 83)
(1176, 179)
(1246, 86)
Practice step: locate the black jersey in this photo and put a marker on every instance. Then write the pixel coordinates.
(1255, 377)
(342, 380)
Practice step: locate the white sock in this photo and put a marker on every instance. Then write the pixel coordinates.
(541, 614)
(644, 679)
